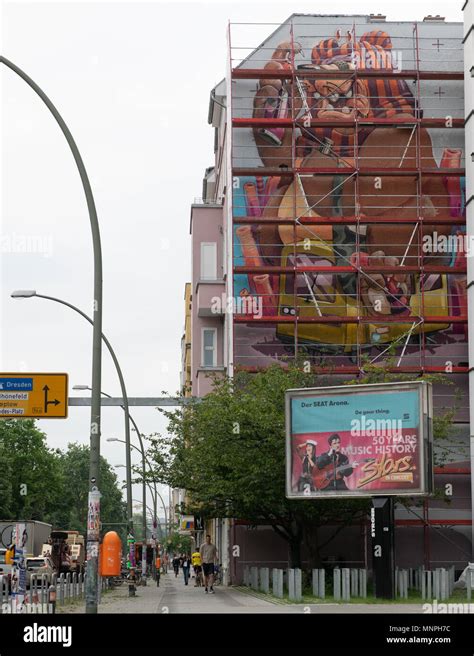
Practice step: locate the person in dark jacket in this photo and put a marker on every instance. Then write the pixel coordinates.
(339, 464)
(186, 567)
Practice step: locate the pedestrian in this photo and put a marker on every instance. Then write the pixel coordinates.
(158, 570)
(197, 565)
(208, 556)
(176, 564)
(186, 567)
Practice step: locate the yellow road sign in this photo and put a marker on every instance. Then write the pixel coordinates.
(33, 395)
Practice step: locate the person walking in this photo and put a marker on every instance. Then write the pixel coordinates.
(186, 567)
(176, 564)
(208, 553)
(158, 570)
(197, 565)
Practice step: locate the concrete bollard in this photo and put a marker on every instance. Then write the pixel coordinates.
(315, 582)
(294, 585)
(345, 587)
(277, 583)
(291, 584)
(354, 589)
(254, 578)
(247, 575)
(469, 582)
(322, 583)
(363, 583)
(337, 584)
(265, 580)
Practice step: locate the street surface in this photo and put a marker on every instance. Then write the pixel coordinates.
(174, 597)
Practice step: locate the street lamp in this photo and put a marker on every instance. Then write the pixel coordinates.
(153, 496)
(157, 494)
(92, 591)
(31, 293)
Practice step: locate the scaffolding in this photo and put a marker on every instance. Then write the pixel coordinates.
(348, 215)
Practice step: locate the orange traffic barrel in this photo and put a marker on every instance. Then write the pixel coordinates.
(111, 555)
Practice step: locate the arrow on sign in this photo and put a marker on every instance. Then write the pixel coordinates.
(46, 402)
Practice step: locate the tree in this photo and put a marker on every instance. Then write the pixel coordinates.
(228, 452)
(31, 477)
(73, 503)
(177, 543)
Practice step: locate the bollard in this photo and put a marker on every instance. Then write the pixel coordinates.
(68, 586)
(52, 599)
(278, 583)
(469, 583)
(265, 580)
(254, 578)
(322, 583)
(443, 584)
(298, 585)
(291, 584)
(247, 575)
(61, 589)
(337, 583)
(436, 584)
(315, 581)
(354, 589)
(363, 583)
(345, 578)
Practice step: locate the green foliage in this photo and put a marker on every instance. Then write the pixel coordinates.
(31, 476)
(72, 510)
(178, 544)
(51, 485)
(228, 451)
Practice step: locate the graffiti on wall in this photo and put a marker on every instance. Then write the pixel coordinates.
(282, 250)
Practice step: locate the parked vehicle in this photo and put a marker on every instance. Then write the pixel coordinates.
(34, 536)
(39, 565)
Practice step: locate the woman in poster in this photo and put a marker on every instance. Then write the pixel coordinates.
(308, 463)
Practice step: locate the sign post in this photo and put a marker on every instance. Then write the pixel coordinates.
(382, 532)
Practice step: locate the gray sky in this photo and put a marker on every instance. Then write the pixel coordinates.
(132, 81)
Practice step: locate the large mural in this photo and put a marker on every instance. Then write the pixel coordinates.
(325, 228)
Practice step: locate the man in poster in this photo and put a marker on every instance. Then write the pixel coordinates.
(334, 466)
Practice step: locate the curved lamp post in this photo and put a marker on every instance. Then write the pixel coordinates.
(31, 293)
(94, 471)
(156, 495)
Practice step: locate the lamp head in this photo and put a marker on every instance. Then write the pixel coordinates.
(23, 293)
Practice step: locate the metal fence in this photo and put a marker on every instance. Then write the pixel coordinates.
(45, 592)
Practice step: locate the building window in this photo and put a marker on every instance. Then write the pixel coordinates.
(208, 261)
(209, 350)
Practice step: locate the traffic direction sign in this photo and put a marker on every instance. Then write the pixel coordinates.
(33, 395)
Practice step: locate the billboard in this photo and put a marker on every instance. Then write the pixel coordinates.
(359, 440)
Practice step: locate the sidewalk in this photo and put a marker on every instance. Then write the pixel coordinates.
(174, 597)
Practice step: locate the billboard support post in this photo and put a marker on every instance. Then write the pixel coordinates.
(383, 543)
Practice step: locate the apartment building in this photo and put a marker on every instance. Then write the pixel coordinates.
(337, 201)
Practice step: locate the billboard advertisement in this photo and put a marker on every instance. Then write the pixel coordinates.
(359, 440)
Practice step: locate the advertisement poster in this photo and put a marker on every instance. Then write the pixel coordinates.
(93, 516)
(362, 440)
(19, 570)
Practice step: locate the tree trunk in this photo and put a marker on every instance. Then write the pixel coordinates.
(311, 542)
(295, 552)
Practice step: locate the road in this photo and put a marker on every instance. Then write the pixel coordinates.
(174, 597)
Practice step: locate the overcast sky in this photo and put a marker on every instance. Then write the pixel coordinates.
(132, 81)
